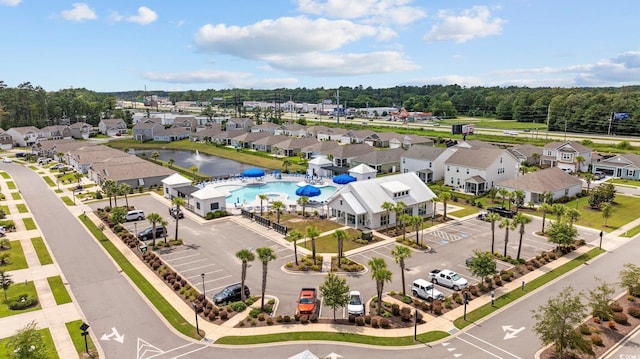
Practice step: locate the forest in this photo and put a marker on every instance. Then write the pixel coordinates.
(578, 110)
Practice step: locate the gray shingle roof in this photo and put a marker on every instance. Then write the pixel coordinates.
(424, 152)
(550, 179)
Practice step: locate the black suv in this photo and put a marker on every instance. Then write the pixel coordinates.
(147, 234)
(503, 212)
(231, 294)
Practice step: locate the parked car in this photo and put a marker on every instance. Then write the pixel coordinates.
(448, 278)
(6, 160)
(421, 288)
(21, 154)
(231, 294)
(356, 304)
(147, 234)
(57, 166)
(135, 215)
(503, 212)
(172, 212)
(598, 175)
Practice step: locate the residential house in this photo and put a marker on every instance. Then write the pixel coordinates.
(527, 153)
(476, 170)
(204, 134)
(25, 136)
(171, 134)
(426, 161)
(566, 155)
(474, 144)
(80, 130)
(406, 141)
(625, 166)
(312, 131)
(246, 139)
(549, 180)
(58, 149)
(267, 142)
(224, 137)
(266, 127)
(383, 139)
(318, 148)
(292, 129)
(293, 146)
(56, 132)
(384, 161)
(343, 154)
(330, 134)
(112, 126)
(237, 123)
(6, 141)
(83, 157)
(128, 169)
(359, 204)
(355, 136)
(145, 131)
(188, 122)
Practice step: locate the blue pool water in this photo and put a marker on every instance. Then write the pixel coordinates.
(249, 193)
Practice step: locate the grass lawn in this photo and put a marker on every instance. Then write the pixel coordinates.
(78, 340)
(5, 209)
(68, 201)
(328, 243)
(49, 181)
(162, 305)
(632, 232)
(59, 291)
(493, 123)
(465, 211)
(41, 250)
(22, 208)
(29, 224)
(16, 257)
(625, 182)
(300, 224)
(16, 195)
(16, 290)
(47, 340)
(5, 175)
(11, 185)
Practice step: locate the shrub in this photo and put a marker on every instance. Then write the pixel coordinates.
(212, 316)
(269, 321)
(224, 315)
(239, 307)
(176, 286)
(304, 319)
(612, 324)
(620, 318)
(634, 311)
(425, 307)
(23, 302)
(254, 312)
(359, 321)
(261, 317)
(395, 309)
(367, 319)
(375, 322)
(596, 340)
(313, 318)
(616, 307)
(385, 323)
(584, 329)
(352, 318)
(286, 319)
(406, 299)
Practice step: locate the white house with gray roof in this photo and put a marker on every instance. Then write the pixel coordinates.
(476, 170)
(426, 161)
(208, 199)
(359, 204)
(550, 180)
(626, 165)
(384, 161)
(565, 155)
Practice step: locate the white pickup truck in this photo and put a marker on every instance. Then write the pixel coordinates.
(448, 278)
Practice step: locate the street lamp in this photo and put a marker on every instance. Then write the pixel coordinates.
(203, 290)
(466, 300)
(601, 234)
(195, 310)
(84, 328)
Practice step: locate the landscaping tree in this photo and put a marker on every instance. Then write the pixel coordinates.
(28, 343)
(558, 210)
(518, 197)
(124, 190)
(416, 221)
(508, 225)
(5, 243)
(277, 206)
(388, 206)
(482, 264)
(493, 218)
(164, 223)
(109, 188)
(294, 236)
(313, 233)
(78, 176)
(556, 321)
(5, 282)
(245, 256)
(606, 210)
(399, 253)
(599, 299)
(588, 178)
(399, 209)
(405, 219)
(4, 258)
(522, 220)
(171, 161)
(118, 215)
(572, 215)
(335, 292)
(381, 274)
(303, 201)
(286, 163)
(630, 278)
(562, 233)
(154, 155)
(504, 194)
(265, 255)
(194, 170)
(444, 197)
(340, 235)
(545, 208)
(153, 218)
(493, 192)
(580, 160)
(178, 202)
(263, 197)
(605, 192)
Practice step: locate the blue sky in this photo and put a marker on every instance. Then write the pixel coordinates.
(181, 45)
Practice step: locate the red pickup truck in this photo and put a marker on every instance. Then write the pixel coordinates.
(307, 301)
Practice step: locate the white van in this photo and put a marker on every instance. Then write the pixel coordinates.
(135, 215)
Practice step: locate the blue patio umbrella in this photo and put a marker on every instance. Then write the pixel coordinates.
(343, 179)
(253, 172)
(308, 191)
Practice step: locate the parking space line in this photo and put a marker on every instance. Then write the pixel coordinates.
(190, 255)
(196, 268)
(492, 345)
(199, 275)
(189, 263)
(176, 252)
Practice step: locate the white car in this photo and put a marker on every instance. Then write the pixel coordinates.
(6, 160)
(356, 305)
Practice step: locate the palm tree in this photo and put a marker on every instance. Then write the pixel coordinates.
(294, 236)
(245, 256)
(194, 170)
(399, 253)
(572, 214)
(493, 218)
(504, 193)
(265, 255)
(519, 198)
(405, 219)
(380, 274)
(558, 210)
(78, 176)
(444, 197)
(108, 187)
(588, 177)
(521, 219)
(153, 218)
(399, 210)
(155, 155)
(286, 163)
(263, 197)
(580, 160)
(303, 200)
(340, 235)
(178, 202)
(545, 208)
(171, 161)
(536, 158)
(508, 225)
(5, 282)
(164, 223)
(313, 233)
(277, 206)
(546, 197)
(416, 221)
(124, 189)
(388, 206)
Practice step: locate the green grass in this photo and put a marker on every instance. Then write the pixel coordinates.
(300, 224)
(49, 181)
(162, 305)
(337, 337)
(16, 195)
(22, 208)
(5, 209)
(58, 191)
(626, 182)
(632, 232)
(11, 185)
(78, 340)
(16, 257)
(328, 243)
(68, 201)
(5, 175)
(507, 298)
(41, 250)
(16, 290)
(47, 341)
(465, 211)
(29, 224)
(60, 293)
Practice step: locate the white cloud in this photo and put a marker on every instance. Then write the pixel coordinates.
(145, 16)
(10, 2)
(80, 12)
(283, 36)
(115, 17)
(223, 78)
(473, 23)
(371, 11)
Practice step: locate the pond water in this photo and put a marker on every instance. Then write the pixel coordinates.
(209, 165)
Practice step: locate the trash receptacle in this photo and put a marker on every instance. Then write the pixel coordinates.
(367, 235)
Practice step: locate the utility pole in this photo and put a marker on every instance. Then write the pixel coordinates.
(338, 108)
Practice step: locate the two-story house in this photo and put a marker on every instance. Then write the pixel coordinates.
(56, 132)
(426, 161)
(25, 136)
(6, 141)
(568, 156)
(112, 126)
(80, 130)
(343, 154)
(145, 131)
(476, 170)
(238, 123)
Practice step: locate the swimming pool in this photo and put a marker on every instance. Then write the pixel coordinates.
(274, 190)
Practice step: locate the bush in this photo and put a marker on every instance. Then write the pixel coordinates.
(367, 319)
(395, 309)
(612, 324)
(385, 323)
(239, 307)
(304, 319)
(584, 329)
(286, 319)
(359, 321)
(224, 315)
(620, 318)
(261, 317)
(596, 340)
(634, 311)
(254, 312)
(269, 321)
(616, 307)
(313, 318)
(23, 302)
(212, 316)
(375, 322)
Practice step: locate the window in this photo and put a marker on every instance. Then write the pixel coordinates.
(197, 205)
(566, 192)
(429, 164)
(457, 169)
(384, 220)
(467, 171)
(404, 160)
(215, 206)
(448, 168)
(451, 180)
(458, 182)
(567, 157)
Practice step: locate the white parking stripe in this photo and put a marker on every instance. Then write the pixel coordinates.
(189, 263)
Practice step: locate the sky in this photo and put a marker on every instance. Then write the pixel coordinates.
(170, 45)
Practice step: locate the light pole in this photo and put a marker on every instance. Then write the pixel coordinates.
(203, 290)
(84, 328)
(195, 310)
(135, 228)
(466, 300)
(601, 234)
(73, 192)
